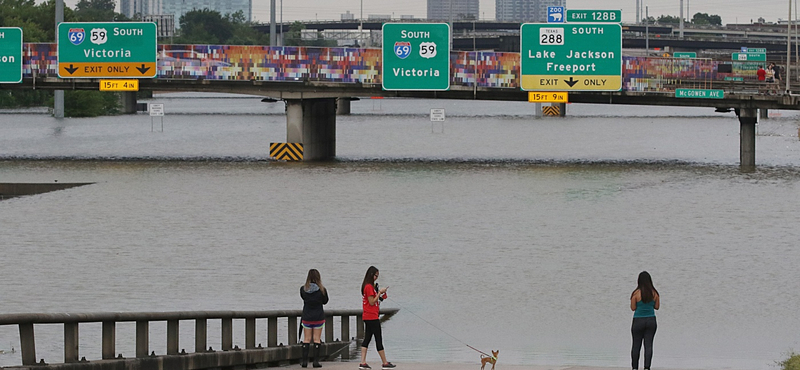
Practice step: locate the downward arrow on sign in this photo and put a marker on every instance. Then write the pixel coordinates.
(571, 81)
(143, 69)
(71, 69)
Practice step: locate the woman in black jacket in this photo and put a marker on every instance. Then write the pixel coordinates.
(314, 296)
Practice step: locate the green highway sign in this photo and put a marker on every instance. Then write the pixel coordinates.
(594, 16)
(107, 50)
(416, 56)
(757, 50)
(748, 56)
(571, 57)
(679, 54)
(699, 93)
(10, 55)
(739, 79)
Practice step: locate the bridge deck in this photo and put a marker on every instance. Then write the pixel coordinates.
(306, 72)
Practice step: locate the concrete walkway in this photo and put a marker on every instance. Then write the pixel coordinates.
(353, 365)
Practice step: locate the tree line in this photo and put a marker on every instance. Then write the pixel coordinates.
(699, 19)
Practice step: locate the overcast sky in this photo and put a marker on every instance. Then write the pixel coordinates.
(731, 11)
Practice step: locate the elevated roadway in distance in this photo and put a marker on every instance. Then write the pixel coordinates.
(504, 36)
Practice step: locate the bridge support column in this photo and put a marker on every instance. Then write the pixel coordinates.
(127, 102)
(747, 138)
(343, 106)
(312, 122)
(562, 109)
(763, 113)
(538, 109)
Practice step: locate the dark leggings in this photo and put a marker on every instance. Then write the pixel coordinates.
(372, 327)
(643, 329)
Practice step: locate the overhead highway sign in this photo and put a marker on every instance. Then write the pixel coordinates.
(594, 16)
(107, 50)
(571, 57)
(10, 55)
(416, 56)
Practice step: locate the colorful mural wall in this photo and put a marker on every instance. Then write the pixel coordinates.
(352, 65)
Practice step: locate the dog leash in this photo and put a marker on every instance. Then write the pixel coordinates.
(442, 330)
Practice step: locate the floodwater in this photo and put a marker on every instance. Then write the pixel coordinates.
(496, 229)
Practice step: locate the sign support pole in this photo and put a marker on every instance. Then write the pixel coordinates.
(788, 47)
(58, 95)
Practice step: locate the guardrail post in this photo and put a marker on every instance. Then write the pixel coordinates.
(292, 324)
(359, 327)
(272, 332)
(27, 344)
(173, 328)
(200, 333)
(345, 335)
(109, 339)
(142, 339)
(70, 342)
(227, 334)
(250, 333)
(329, 328)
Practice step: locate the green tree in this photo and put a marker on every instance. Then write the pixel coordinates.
(243, 31)
(294, 36)
(668, 19)
(204, 27)
(83, 103)
(791, 363)
(705, 19)
(97, 11)
(37, 21)
(210, 27)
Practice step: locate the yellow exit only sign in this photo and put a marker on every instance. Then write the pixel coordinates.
(547, 97)
(119, 85)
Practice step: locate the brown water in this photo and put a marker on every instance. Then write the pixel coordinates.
(502, 232)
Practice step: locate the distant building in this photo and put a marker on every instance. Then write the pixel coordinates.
(524, 10)
(181, 7)
(139, 8)
(347, 16)
(165, 24)
(459, 9)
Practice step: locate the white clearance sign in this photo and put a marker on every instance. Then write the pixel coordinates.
(437, 114)
(156, 110)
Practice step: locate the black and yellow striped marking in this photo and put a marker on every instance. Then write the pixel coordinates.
(286, 151)
(551, 111)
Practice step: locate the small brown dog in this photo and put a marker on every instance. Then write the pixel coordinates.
(491, 359)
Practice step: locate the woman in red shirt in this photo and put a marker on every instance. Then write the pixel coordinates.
(371, 296)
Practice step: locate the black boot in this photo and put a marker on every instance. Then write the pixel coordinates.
(304, 359)
(315, 356)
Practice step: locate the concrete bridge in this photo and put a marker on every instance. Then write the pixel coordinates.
(315, 83)
(229, 356)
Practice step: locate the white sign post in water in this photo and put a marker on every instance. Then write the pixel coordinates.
(156, 110)
(437, 115)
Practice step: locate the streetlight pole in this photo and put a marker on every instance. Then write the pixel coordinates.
(273, 38)
(647, 31)
(681, 32)
(450, 11)
(788, 47)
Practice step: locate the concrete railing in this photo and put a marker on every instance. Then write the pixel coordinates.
(71, 321)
